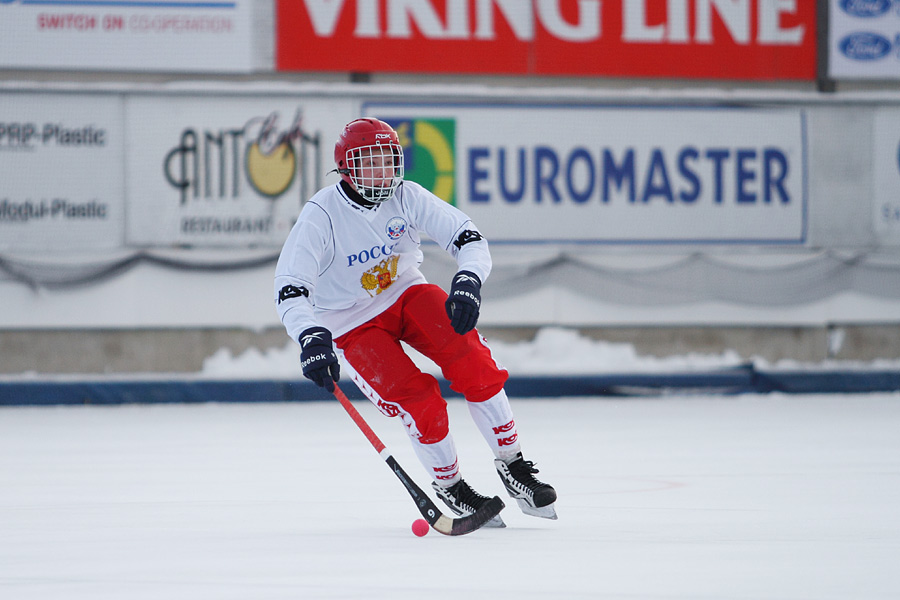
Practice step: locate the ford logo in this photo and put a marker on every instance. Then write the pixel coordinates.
(865, 8)
(865, 46)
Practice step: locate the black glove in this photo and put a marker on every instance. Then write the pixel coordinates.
(317, 358)
(464, 302)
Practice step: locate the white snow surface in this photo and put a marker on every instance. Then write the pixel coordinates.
(766, 497)
(553, 351)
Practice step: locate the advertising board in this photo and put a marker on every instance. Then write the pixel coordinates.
(230, 172)
(130, 35)
(706, 39)
(864, 39)
(612, 175)
(61, 173)
(886, 175)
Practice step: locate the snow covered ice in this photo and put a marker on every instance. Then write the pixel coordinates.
(554, 350)
(748, 497)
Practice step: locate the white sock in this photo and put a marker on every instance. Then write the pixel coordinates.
(439, 459)
(494, 420)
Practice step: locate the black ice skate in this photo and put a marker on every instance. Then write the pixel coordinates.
(534, 497)
(463, 500)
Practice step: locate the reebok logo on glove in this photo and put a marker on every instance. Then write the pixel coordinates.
(306, 340)
(462, 278)
(464, 302)
(311, 360)
(318, 359)
(468, 295)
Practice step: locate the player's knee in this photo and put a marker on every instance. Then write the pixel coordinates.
(434, 426)
(429, 411)
(479, 380)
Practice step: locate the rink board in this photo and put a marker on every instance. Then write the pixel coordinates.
(739, 380)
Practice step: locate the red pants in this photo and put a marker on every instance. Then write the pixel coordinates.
(391, 380)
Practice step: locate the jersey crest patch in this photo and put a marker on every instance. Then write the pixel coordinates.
(381, 276)
(396, 227)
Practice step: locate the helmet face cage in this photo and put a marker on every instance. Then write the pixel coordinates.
(375, 170)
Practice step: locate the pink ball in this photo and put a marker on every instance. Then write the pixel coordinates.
(420, 527)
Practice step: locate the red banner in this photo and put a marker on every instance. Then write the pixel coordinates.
(696, 39)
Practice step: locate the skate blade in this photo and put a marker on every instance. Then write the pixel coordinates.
(544, 512)
(496, 521)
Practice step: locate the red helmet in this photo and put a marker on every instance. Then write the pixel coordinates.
(369, 157)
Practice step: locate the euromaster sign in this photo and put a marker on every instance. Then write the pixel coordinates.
(134, 35)
(886, 158)
(612, 175)
(709, 39)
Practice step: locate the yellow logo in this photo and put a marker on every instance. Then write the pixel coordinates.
(429, 147)
(205, 164)
(381, 276)
(273, 173)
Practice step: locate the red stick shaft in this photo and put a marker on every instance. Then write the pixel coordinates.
(358, 419)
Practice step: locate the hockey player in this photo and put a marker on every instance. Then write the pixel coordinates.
(348, 277)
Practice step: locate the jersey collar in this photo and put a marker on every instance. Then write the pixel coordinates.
(354, 200)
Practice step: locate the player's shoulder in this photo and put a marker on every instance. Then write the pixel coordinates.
(412, 194)
(413, 189)
(321, 204)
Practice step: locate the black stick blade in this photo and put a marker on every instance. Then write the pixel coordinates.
(469, 523)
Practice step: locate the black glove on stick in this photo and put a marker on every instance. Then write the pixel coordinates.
(317, 358)
(464, 302)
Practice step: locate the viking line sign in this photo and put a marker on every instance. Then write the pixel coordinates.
(728, 39)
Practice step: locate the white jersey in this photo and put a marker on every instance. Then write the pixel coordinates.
(344, 264)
